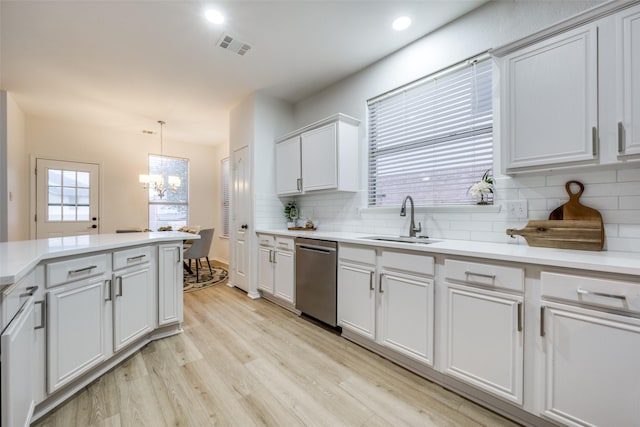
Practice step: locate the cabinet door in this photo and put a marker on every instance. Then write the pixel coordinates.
(357, 299)
(169, 284)
(78, 329)
(484, 340)
(288, 167)
(407, 315)
(265, 269)
(16, 376)
(320, 158)
(591, 363)
(628, 78)
(132, 317)
(549, 95)
(284, 277)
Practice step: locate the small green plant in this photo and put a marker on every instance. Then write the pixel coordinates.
(291, 211)
(482, 187)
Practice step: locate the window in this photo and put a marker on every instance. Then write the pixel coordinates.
(172, 207)
(225, 197)
(68, 195)
(433, 138)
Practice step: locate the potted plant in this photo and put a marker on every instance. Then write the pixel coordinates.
(291, 213)
(482, 188)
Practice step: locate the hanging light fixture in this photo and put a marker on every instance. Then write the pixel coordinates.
(156, 181)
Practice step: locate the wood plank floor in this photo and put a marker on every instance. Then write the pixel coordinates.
(242, 362)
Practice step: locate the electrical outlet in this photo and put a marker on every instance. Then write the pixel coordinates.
(517, 209)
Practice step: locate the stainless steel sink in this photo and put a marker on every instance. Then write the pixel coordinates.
(402, 239)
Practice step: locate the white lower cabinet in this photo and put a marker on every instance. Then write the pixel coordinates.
(387, 297)
(170, 279)
(132, 306)
(79, 329)
(357, 299)
(276, 267)
(483, 319)
(484, 340)
(591, 367)
(406, 315)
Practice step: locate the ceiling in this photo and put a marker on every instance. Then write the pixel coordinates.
(127, 64)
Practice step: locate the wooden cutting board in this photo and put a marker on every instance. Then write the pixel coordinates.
(570, 226)
(563, 234)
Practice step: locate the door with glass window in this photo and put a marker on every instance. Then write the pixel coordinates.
(67, 198)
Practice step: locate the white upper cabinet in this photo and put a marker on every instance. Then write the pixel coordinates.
(628, 82)
(288, 172)
(549, 101)
(321, 156)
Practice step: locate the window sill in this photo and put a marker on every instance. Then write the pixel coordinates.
(444, 208)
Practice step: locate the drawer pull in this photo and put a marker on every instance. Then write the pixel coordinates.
(371, 273)
(486, 276)
(542, 331)
(621, 138)
(42, 314)
(82, 270)
(30, 291)
(380, 284)
(108, 283)
(601, 294)
(135, 258)
(519, 317)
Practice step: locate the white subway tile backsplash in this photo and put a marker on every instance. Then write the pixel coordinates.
(616, 194)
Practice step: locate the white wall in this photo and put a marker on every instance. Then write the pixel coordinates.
(17, 173)
(615, 193)
(122, 156)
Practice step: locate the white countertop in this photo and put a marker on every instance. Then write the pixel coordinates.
(18, 258)
(604, 261)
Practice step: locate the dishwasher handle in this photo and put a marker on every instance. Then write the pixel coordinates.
(313, 248)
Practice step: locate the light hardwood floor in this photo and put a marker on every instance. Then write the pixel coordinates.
(242, 362)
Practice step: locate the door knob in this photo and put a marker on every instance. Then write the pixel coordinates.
(244, 226)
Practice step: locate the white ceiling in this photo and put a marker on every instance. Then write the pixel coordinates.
(127, 64)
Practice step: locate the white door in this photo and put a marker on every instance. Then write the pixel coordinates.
(628, 77)
(484, 340)
(241, 205)
(284, 275)
(357, 299)
(132, 297)
(67, 198)
(170, 284)
(591, 365)
(320, 158)
(407, 315)
(265, 269)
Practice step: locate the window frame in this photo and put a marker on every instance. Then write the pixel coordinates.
(163, 202)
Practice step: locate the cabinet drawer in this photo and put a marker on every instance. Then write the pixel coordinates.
(129, 257)
(407, 261)
(488, 275)
(616, 294)
(362, 254)
(266, 240)
(285, 243)
(75, 269)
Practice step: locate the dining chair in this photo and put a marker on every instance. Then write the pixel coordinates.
(200, 249)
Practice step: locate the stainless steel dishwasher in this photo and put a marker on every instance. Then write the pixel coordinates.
(316, 279)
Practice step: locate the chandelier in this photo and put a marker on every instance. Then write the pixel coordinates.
(156, 181)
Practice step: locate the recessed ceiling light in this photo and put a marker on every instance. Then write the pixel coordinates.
(214, 16)
(401, 23)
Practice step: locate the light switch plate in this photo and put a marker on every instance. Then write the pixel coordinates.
(517, 209)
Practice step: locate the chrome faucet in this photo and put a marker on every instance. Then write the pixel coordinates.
(412, 225)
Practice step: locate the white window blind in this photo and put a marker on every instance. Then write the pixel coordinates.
(225, 197)
(432, 139)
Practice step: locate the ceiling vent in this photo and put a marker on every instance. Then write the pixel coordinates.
(233, 44)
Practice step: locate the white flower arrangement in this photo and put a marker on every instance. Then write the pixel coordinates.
(482, 188)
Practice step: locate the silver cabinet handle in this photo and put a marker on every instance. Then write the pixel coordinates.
(30, 291)
(135, 258)
(119, 281)
(270, 258)
(371, 273)
(380, 283)
(178, 254)
(274, 257)
(621, 138)
(600, 294)
(519, 317)
(487, 276)
(108, 283)
(299, 184)
(42, 314)
(542, 310)
(82, 270)
(594, 140)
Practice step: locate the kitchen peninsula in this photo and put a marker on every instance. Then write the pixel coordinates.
(73, 307)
